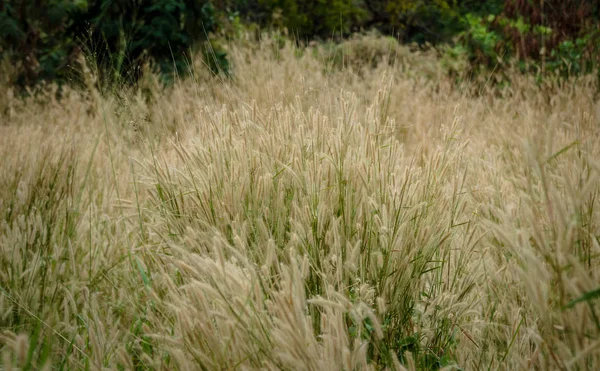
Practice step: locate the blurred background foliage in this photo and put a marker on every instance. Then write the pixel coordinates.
(44, 40)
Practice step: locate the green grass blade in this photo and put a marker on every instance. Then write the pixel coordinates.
(588, 296)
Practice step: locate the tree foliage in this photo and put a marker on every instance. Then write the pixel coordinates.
(43, 38)
(543, 35)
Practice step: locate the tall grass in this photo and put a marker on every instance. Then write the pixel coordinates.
(302, 215)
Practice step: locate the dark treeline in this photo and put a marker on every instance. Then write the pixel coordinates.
(44, 39)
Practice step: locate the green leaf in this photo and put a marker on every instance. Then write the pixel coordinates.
(145, 277)
(33, 342)
(563, 150)
(588, 296)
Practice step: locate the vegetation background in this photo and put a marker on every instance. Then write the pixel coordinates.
(286, 184)
(43, 39)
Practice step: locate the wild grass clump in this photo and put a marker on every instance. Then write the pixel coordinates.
(296, 216)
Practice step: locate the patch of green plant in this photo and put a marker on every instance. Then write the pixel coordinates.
(46, 39)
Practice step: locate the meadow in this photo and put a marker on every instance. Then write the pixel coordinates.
(317, 210)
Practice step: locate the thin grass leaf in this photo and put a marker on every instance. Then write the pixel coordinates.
(588, 296)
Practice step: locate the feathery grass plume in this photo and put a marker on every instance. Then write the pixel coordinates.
(298, 216)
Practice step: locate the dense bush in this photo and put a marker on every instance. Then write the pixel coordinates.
(44, 38)
(409, 20)
(555, 36)
(543, 35)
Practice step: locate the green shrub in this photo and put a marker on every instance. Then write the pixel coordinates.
(36, 39)
(552, 36)
(44, 38)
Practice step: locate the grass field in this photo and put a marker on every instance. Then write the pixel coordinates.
(308, 213)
